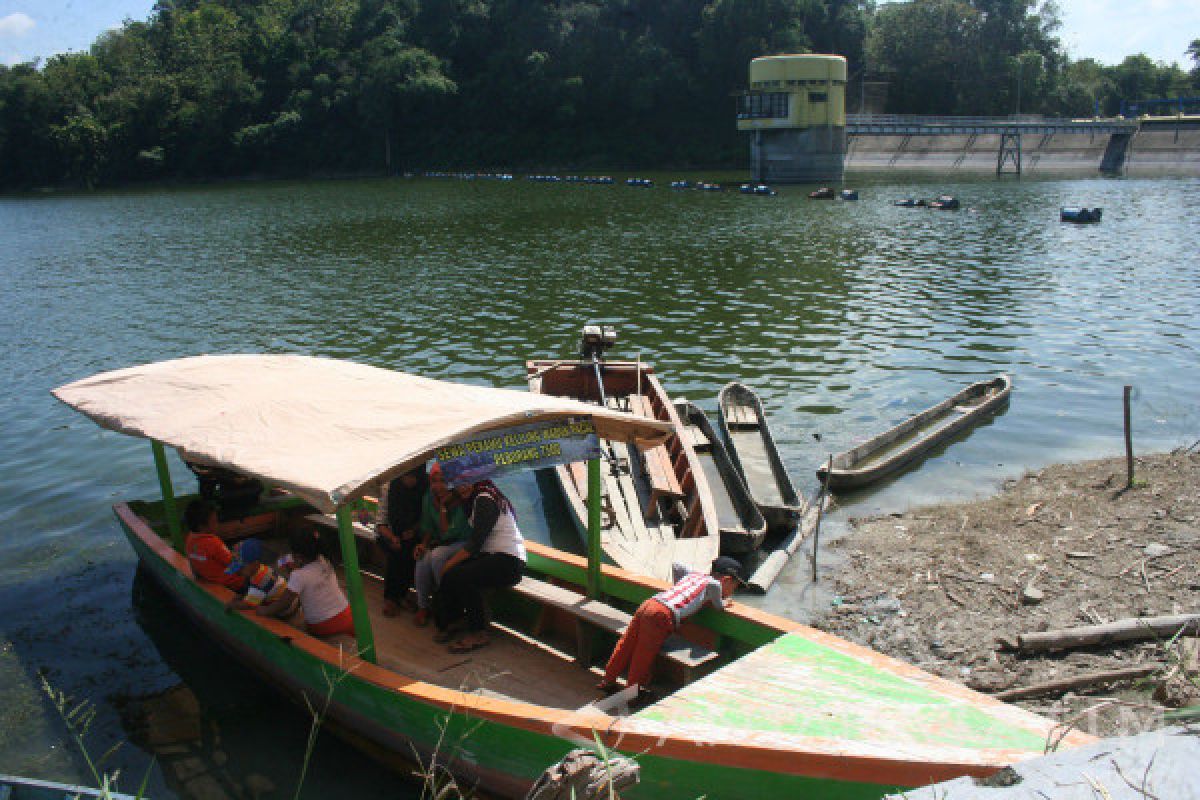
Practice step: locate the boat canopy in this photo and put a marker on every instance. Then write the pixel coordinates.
(322, 428)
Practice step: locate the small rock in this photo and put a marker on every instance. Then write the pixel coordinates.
(1031, 595)
(1154, 549)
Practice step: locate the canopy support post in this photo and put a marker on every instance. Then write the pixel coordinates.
(354, 585)
(168, 495)
(593, 542)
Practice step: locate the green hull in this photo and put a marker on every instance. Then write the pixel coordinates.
(501, 759)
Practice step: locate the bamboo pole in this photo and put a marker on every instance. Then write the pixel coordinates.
(168, 495)
(354, 585)
(593, 540)
(820, 514)
(1128, 442)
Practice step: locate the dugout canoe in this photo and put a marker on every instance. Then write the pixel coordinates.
(777, 709)
(900, 446)
(742, 525)
(753, 451)
(658, 505)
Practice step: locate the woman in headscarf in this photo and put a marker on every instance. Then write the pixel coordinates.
(493, 557)
(400, 512)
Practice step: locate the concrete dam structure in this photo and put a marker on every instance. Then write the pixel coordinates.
(1151, 146)
(795, 113)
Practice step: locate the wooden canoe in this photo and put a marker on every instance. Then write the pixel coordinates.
(753, 450)
(742, 525)
(658, 506)
(900, 446)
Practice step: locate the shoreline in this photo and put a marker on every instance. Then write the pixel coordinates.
(1060, 547)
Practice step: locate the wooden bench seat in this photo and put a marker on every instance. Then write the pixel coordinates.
(690, 657)
(330, 521)
(664, 483)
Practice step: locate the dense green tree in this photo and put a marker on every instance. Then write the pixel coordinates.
(222, 87)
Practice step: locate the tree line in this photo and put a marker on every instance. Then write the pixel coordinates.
(215, 88)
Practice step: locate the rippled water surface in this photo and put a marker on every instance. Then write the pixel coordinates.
(846, 317)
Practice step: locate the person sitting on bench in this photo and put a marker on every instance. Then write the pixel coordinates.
(492, 558)
(659, 616)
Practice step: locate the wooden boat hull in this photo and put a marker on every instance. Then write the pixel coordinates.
(935, 426)
(503, 745)
(643, 531)
(742, 525)
(753, 451)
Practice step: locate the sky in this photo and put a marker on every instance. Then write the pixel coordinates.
(1106, 30)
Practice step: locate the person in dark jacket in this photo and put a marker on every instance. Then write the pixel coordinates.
(400, 515)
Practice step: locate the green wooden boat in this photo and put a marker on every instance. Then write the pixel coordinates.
(752, 705)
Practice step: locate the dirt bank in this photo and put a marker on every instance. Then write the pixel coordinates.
(1062, 547)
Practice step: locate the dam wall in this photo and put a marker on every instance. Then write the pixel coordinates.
(1170, 148)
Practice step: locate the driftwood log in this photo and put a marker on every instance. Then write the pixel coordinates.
(1079, 681)
(1122, 630)
(583, 775)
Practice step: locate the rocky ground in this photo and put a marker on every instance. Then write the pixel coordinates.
(1063, 547)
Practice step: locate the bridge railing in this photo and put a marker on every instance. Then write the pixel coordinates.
(934, 120)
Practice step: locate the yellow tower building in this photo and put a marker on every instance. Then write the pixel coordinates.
(795, 111)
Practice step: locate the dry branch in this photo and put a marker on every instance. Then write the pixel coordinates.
(1078, 681)
(1122, 630)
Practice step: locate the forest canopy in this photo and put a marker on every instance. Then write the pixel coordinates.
(214, 88)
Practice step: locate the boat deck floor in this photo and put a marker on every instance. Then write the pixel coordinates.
(512, 667)
(802, 687)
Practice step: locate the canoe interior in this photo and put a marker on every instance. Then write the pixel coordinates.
(753, 450)
(742, 525)
(534, 656)
(643, 527)
(899, 445)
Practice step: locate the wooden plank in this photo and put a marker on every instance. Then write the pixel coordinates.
(677, 649)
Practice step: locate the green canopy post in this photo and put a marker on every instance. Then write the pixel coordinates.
(593, 541)
(168, 495)
(354, 585)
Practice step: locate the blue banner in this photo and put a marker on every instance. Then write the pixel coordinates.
(536, 446)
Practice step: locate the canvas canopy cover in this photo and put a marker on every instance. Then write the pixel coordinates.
(322, 428)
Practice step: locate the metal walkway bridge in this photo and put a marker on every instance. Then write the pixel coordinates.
(1009, 129)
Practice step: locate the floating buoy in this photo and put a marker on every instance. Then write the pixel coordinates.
(1080, 215)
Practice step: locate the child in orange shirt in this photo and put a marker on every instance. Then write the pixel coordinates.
(206, 551)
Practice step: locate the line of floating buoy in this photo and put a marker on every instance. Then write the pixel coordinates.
(466, 176)
(639, 183)
(756, 188)
(828, 193)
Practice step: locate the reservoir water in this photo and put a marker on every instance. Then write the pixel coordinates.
(845, 316)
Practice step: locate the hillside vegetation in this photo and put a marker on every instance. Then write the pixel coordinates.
(215, 88)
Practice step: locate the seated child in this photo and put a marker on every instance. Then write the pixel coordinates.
(264, 590)
(659, 617)
(206, 551)
(314, 581)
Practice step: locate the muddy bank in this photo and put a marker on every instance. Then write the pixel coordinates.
(1062, 547)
